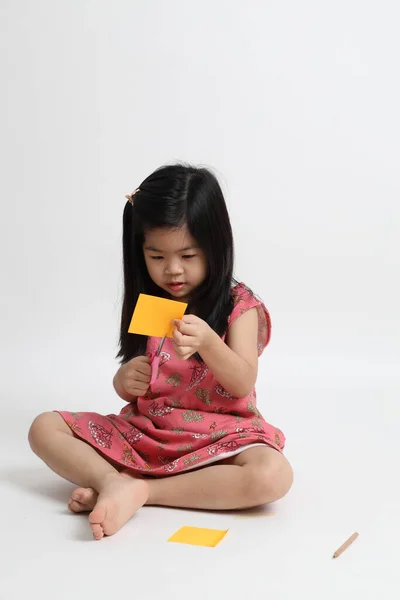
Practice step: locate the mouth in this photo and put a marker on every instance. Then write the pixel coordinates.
(175, 287)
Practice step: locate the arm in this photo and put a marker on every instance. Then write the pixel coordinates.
(234, 363)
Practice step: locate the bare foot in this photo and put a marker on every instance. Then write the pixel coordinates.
(82, 500)
(117, 502)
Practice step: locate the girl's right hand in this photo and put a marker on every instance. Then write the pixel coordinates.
(135, 375)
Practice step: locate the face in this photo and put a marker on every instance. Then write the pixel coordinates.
(173, 257)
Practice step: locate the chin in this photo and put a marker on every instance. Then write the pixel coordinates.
(181, 294)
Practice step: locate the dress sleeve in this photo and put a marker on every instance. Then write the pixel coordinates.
(244, 299)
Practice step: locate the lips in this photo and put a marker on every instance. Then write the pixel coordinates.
(177, 285)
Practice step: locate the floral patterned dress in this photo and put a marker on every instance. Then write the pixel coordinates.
(186, 419)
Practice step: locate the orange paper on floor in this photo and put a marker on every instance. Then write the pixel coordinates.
(198, 536)
(152, 316)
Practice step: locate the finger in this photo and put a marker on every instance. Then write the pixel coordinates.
(186, 340)
(137, 360)
(187, 328)
(141, 377)
(183, 350)
(190, 319)
(139, 364)
(137, 390)
(143, 361)
(177, 337)
(183, 340)
(144, 368)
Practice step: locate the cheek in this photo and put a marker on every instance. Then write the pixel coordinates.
(202, 269)
(153, 268)
(148, 264)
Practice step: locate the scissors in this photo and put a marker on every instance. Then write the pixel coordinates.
(155, 362)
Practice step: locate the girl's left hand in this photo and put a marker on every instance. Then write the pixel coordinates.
(191, 335)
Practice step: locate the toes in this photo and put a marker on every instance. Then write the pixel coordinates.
(96, 518)
(75, 506)
(77, 494)
(98, 514)
(83, 495)
(97, 531)
(82, 499)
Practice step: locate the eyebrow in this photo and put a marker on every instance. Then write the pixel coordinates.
(152, 249)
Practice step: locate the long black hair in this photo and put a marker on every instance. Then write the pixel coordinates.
(171, 197)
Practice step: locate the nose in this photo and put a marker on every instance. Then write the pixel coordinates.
(174, 267)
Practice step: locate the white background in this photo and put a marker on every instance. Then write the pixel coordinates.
(295, 105)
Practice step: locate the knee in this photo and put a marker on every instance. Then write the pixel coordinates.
(270, 482)
(40, 429)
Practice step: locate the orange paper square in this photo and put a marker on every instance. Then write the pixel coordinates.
(152, 316)
(198, 536)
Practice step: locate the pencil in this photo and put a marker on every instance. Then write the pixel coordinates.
(344, 546)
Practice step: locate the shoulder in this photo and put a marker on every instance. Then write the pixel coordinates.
(244, 301)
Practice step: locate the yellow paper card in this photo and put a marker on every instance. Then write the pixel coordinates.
(152, 316)
(198, 536)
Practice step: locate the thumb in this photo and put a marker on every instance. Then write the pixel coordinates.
(143, 358)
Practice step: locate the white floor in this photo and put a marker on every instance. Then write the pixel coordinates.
(343, 441)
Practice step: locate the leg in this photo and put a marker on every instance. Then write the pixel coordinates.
(119, 497)
(256, 476)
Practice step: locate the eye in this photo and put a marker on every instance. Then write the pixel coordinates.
(188, 256)
(156, 257)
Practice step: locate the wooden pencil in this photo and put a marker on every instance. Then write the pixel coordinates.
(344, 546)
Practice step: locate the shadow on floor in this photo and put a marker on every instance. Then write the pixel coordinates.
(38, 481)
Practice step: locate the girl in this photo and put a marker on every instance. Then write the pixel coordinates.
(194, 438)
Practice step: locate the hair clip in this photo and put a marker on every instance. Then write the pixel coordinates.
(130, 196)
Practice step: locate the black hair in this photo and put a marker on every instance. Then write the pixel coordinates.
(171, 197)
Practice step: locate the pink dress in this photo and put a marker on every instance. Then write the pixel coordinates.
(186, 419)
